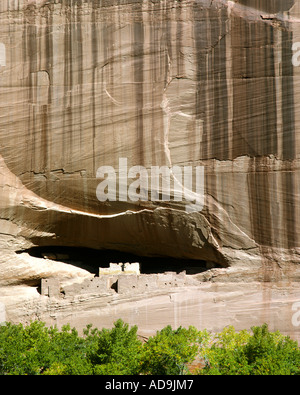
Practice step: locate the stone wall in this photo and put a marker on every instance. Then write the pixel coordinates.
(150, 282)
(120, 268)
(111, 283)
(50, 287)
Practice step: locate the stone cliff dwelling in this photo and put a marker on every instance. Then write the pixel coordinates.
(122, 277)
(116, 279)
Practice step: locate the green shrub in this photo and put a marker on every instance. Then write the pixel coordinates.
(272, 353)
(37, 350)
(33, 349)
(117, 351)
(169, 351)
(259, 353)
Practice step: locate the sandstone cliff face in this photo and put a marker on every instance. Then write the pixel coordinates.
(196, 83)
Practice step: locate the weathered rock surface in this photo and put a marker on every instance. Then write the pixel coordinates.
(160, 83)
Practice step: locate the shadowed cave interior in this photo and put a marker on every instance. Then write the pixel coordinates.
(91, 259)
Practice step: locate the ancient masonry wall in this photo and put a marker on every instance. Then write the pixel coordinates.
(119, 278)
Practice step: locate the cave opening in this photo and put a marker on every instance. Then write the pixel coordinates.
(91, 259)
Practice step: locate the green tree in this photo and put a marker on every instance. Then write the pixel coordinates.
(68, 354)
(117, 350)
(272, 353)
(35, 349)
(23, 350)
(169, 351)
(259, 353)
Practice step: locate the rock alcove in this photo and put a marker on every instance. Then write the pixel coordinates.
(90, 259)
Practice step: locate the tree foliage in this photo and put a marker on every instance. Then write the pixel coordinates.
(258, 353)
(38, 350)
(169, 351)
(117, 351)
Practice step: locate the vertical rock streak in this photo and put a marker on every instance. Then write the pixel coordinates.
(160, 83)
